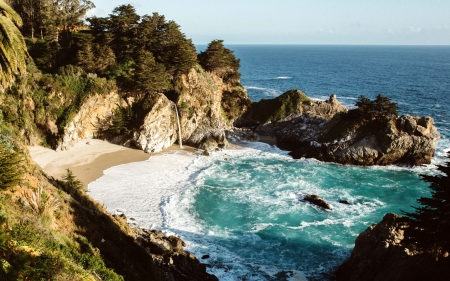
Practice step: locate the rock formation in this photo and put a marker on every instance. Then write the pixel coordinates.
(171, 258)
(407, 140)
(159, 129)
(199, 100)
(380, 253)
(325, 130)
(207, 106)
(95, 110)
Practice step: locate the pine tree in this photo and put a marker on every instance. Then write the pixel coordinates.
(431, 221)
(220, 60)
(150, 76)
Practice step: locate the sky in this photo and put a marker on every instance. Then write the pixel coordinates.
(349, 22)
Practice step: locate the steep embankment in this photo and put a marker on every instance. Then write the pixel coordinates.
(329, 132)
(53, 230)
(381, 253)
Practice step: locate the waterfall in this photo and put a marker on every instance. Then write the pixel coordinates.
(179, 127)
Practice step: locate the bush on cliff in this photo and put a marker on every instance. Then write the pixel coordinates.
(275, 109)
(430, 223)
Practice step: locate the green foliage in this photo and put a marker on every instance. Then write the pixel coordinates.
(120, 121)
(150, 76)
(369, 116)
(430, 222)
(11, 163)
(71, 181)
(277, 108)
(39, 202)
(220, 60)
(52, 20)
(234, 103)
(380, 109)
(13, 50)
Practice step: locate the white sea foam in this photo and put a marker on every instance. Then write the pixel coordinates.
(140, 189)
(268, 92)
(284, 77)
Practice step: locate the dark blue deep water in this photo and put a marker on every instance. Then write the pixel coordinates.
(417, 78)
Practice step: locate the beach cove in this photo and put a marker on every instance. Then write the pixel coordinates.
(240, 206)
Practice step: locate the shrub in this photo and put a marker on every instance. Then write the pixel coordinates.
(11, 163)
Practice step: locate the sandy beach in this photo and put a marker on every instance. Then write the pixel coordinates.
(88, 158)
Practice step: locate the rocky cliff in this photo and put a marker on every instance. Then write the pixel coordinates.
(381, 253)
(327, 131)
(206, 107)
(85, 124)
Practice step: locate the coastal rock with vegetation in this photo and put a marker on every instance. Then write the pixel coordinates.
(371, 134)
(413, 247)
(381, 253)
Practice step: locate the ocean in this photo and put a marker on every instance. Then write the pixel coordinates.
(239, 209)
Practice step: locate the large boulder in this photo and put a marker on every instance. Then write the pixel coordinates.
(159, 129)
(408, 140)
(316, 200)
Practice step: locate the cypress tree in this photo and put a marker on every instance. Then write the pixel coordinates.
(431, 221)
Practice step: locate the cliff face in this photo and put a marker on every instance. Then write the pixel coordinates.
(380, 253)
(199, 101)
(93, 112)
(159, 128)
(205, 104)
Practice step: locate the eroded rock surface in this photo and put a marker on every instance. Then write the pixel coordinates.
(85, 124)
(408, 140)
(168, 253)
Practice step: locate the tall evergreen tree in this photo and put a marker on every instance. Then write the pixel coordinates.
(431, 221)
(150, 76)
(13, 51)
(220, 60)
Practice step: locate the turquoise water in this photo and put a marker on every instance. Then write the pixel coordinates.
(249, 200)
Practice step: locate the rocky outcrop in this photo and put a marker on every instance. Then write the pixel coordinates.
(206, 107)
(159, 129)
(199, 101)
(407, 140)
(170, 257)
(327, 131)
(85, 124)
(381, 253)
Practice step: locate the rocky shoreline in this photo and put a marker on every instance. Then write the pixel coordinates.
(169, 256)
(381, 253)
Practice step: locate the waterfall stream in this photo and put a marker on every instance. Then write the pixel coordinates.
(179, 127)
